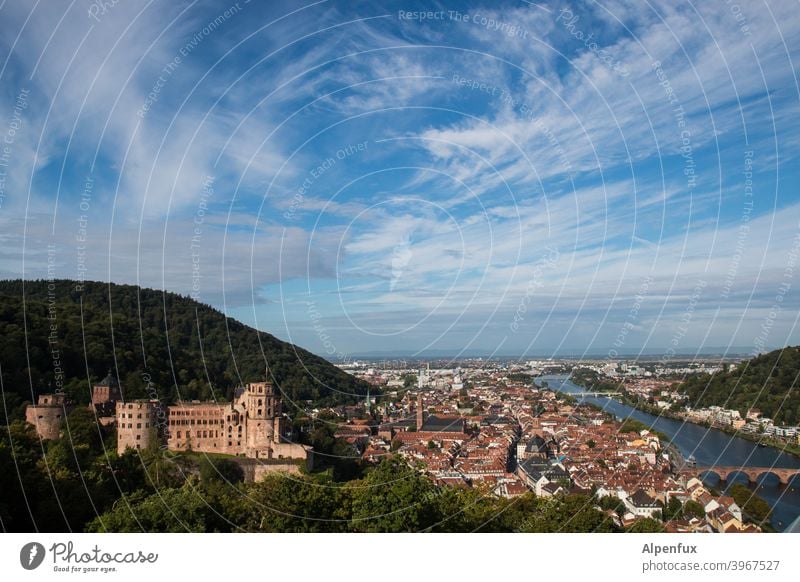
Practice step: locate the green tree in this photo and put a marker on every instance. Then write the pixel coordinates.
(169, 510)
(292, 503)
(465, 510)
(220, 471)
(754, 508)
(613, 503)
(409, 381)
(693, 509)
(673, 509)
(393, 498)
(646, 525)
(567, 513)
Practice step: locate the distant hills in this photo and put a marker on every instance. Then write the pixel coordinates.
(769, 382)
(154, 341)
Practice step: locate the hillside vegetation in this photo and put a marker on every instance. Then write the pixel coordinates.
(768, 382)
(153, 341)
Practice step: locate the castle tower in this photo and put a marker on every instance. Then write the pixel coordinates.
(264, 421)
(137, 424)
(48, 415)
(106, 391)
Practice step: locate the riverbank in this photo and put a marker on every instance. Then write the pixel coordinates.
(627, 398)
(788, 448)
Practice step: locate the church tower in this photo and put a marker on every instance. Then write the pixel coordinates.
(420, 413)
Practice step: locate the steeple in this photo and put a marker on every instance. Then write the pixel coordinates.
(420, 413)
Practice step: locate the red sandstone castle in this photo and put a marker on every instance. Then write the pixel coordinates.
(252, 425)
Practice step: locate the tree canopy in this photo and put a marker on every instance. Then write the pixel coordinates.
(768, 382)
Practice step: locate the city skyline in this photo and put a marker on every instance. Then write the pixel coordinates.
(417, 178)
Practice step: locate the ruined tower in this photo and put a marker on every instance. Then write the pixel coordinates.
(264, 420)
(48, 415)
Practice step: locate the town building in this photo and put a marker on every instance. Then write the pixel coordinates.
(641, 504)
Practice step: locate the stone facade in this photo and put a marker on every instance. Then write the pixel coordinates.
(137, 424)
(48, 415)
(105, 395)
(252, 425)
(107, 391)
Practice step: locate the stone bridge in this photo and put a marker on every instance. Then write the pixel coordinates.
(753, 473)
(595, 394)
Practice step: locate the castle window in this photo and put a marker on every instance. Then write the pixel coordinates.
(138, 437)
(178, 434)
(147, 425)
(138, 425)
(259, 412)
(139, 415)
(259, 401)
(230, 444)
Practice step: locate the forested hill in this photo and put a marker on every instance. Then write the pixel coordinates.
(768, 382)
(187, 348)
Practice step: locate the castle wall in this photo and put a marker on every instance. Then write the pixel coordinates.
(290, 451)
(46, 419)
(105, 394)
(260, 471)
(204, 427)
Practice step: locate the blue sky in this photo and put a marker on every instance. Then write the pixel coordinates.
(512, 177)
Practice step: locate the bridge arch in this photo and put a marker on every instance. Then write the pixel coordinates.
(704, 471)
(793, 476)
(753, 474)
(758, 475)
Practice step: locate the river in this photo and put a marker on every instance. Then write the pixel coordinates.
(711, 447)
